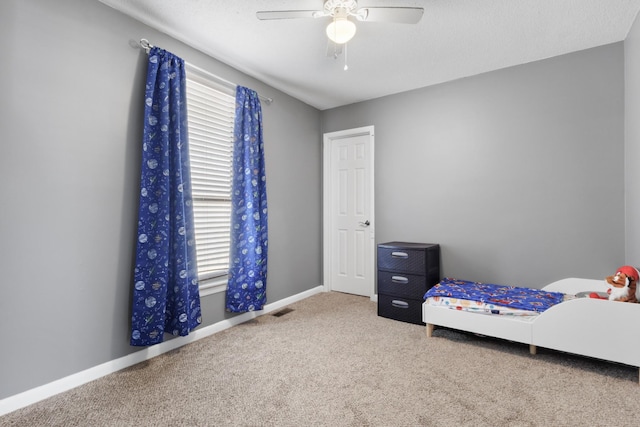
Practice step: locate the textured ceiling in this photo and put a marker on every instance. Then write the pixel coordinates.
(454, 39)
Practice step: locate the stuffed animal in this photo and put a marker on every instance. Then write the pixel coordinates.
(623, 285)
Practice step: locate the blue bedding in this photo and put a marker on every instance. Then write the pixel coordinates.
(508, 296)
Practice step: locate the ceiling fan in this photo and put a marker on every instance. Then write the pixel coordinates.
(341, 29)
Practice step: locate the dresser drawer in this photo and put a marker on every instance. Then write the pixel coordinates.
(415, 259)
(402, 284)
(402, 260)
(403, 309)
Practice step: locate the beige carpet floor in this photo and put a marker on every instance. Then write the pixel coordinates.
(333, 362)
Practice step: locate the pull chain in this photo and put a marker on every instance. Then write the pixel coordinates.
(346, 67)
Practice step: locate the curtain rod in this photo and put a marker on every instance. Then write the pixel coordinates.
(144, 44)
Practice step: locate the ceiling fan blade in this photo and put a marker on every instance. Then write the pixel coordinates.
(401, 15)
(288, 14)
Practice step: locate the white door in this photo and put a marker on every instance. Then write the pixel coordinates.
(349, 240)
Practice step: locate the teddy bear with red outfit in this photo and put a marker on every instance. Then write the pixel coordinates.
(623, 285)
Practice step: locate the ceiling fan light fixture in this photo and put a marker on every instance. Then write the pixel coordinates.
(341, 30)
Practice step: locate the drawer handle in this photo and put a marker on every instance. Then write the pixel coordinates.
(399, 255)
(399, 279)
(399, 304)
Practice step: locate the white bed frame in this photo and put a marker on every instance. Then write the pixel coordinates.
(585, 326)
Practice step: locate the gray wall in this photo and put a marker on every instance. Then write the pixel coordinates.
(517, 173)
(70, 116)
(632, 143)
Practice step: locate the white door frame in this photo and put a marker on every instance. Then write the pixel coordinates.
(327, 198)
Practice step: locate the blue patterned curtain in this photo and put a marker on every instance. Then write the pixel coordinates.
(247, 286)
(165, 294)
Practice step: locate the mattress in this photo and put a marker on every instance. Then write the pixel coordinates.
(488, 298)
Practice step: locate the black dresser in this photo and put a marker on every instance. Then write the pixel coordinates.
(405, 272)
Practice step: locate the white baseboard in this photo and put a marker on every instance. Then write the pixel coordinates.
(37, 394)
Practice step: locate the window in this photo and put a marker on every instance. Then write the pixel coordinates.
(210, 109)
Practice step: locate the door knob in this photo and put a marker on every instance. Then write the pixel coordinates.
(365, 224)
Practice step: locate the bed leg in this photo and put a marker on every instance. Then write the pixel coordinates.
(429, 330)
(533, 349)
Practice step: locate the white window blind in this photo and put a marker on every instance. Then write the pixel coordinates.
(210, 110)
